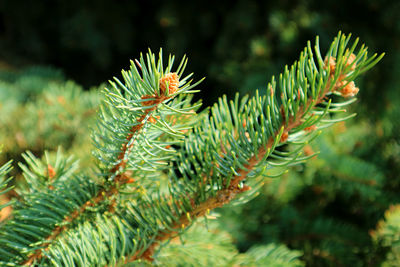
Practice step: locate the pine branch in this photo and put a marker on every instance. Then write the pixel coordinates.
(132, 113)
(35, 219)
(144, 107)
(45, 181)
(40, 175)
(239, 143)
(144, 130)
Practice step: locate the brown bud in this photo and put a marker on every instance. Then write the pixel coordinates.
(349, 90)
(170, 81)
(350, 61)
(331, 64)
(50, 171)
(284, 137)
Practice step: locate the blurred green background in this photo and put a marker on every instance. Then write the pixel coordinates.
(237, 45)
(56, 55)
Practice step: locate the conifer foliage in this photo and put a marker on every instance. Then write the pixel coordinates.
(161, 165)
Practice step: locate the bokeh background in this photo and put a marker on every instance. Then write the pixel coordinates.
(56, 55)
(237, 45)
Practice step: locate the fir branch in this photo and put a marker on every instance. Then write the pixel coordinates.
(41, 175)
(47, 183)
(133, 114)
(224, 196)
(304, 104)
(142, 129)
(35, 219)
(160, 88)
(43, 178)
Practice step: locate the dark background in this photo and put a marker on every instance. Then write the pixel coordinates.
(237, 45)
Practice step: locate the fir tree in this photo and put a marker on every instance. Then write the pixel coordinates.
(161, 166)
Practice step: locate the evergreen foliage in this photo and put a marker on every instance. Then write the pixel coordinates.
(41, 110)
(387, 234)
(161, 166)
